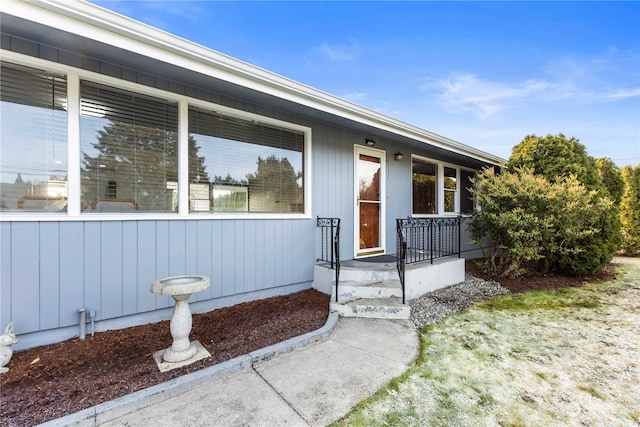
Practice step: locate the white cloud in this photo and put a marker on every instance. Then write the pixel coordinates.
(356, 97)
(466, 92)
(595, 80)
(339, 53)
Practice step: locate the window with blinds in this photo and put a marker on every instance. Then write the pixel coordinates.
(239, 165)
(33, 140)
(129, 145)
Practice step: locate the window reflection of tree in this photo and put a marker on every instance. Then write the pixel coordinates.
(137, 162)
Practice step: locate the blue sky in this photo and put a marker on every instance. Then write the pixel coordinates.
(483, 73)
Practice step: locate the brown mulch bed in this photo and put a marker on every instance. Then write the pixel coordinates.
(535, 281)
(51, 381)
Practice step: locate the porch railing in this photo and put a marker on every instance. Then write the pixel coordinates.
(425, 239)
(330, 244)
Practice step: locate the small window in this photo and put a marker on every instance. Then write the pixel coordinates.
(33, 135)
(129, 151)
(466, 200)
(424, 187)
(243, 165)
(450, 189)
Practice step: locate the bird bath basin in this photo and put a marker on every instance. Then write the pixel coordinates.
(180, 289)
(180, 285)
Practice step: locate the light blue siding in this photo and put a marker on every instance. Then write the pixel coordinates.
(162, 259)
(129, 267)
(111, 272)
(92, 267)
(146, 251)
(217, 271)
(25, 296)
(72, 281)
(49, 275)
(5, 274)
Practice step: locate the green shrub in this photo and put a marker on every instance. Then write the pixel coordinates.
(630, 211)
(510, 217)
(530, 218)
(557, 158)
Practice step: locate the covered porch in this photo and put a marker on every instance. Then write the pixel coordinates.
(428, 257)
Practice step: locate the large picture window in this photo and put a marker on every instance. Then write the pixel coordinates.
(239, 165)
(129, 145)
(33, 140)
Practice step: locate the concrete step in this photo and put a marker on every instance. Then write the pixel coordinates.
(351, 290)
(379, 308)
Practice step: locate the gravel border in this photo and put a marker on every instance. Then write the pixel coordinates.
(437, 305)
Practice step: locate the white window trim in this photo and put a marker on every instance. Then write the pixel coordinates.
(73, 213)
(440, 165)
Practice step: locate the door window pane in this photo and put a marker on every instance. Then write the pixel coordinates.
(129, 151)
(33, 140)
(369, 225)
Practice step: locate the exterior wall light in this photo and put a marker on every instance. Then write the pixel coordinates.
(370, 142)
(398, 156)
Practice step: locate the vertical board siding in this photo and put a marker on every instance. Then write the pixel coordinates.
(252, 259)
(129, 267)
(217, 252)
(5, 274)
(162, 260)
(49, 275)
(71, 272)
(227, 281)
(92, 267)
(238, 257)
(203, 257)
(176, 246)
(25, 278)
(111, 272)
(147, 261)
(270, 252)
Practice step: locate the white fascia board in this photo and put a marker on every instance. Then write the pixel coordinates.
(96, 23)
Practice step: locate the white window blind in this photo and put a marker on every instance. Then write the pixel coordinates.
(247, 166)
(129, 145)
(33, 140)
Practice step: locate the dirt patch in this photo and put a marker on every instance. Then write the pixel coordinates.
(535, 281)
(64, 378)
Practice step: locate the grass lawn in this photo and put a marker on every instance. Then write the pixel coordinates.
(541, 358)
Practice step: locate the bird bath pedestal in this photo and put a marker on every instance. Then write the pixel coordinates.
(182, 351)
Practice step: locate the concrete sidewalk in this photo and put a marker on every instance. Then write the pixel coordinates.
(311, 386)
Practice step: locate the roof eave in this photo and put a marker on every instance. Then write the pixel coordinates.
(94, 22)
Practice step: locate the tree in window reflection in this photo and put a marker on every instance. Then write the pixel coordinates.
(139, 163)
(274, 187)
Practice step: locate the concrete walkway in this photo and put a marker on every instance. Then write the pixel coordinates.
(309, 386)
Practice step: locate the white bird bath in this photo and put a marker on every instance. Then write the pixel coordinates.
(181, 288)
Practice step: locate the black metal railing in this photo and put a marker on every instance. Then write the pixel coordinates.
(330, 244)
(425, 239)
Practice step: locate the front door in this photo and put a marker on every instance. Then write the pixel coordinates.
(370, 197)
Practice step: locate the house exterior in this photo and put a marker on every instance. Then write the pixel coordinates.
(129, 154)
